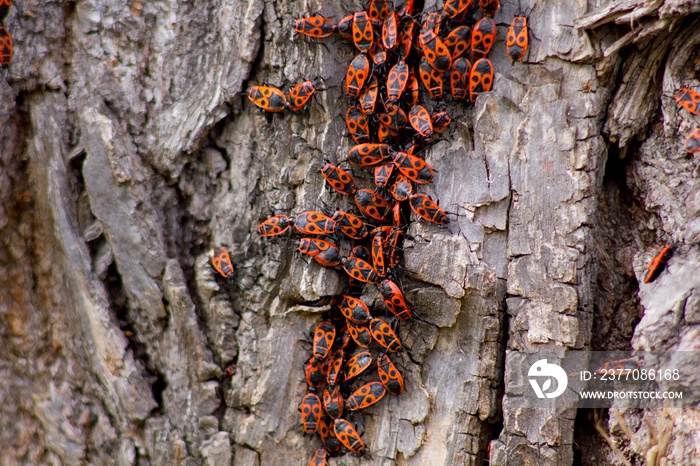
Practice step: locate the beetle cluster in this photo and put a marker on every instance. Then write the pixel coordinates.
(5, 37)
(400, 59)
(341, 343)
(690, 100)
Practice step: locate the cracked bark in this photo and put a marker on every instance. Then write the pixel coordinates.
(127, 153)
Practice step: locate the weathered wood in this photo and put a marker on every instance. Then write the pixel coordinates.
(657, 174)
(128, 151)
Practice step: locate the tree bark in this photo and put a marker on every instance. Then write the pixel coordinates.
(128, 151)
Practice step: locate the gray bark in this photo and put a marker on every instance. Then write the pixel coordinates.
(128, 151)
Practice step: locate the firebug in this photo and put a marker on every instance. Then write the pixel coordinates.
(394, 299)
(391, 106)
(397, 217)
(333, 401)
(437, 54)
(383, 231)
(357, 364)
(324, 252)
(324, 335)
(5, 47)
(230, 371)
(394, 245)
(384, 335)
(360, 252)
(458, 41)
(368, 154)
(619, 367)
(382, 173)
(338, 179)
(378, 54)
(396, 81)
(342, 339)
(461, 18)
(388, 374)
(420, 120)
(310, 408)
(300, 94)
(386, 135)
(394, 121)
(406, 10)
(416, 169)
(320, 458)
(390, 31)
(378, 253)
(362, 31)
(688, 99)
(441, 120)
(314, 223)
(221, 261)
(357, 74)
(357, 124)
(275, 225)
(427, 209)
(348, 436)
(359, 269)
(452, 8)
(412, 92)
(459, 77)
(658, 263)
(268, 98)
(692, 142)
(345, 27)
(365, 396)
(402, 188)
(355, 310)
(368, 98)
(406, 39)
(481, 78)
(431, 79)
(378, 10)
(430, 27)
(483, 37)
(336, 366)
(359, 333)
(327, 434)
(314, 26)
(315, 371)
(517, 40)
(489, 7)
(349, 225)
(372, 204)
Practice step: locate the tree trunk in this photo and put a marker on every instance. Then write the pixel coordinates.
(129, 151)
